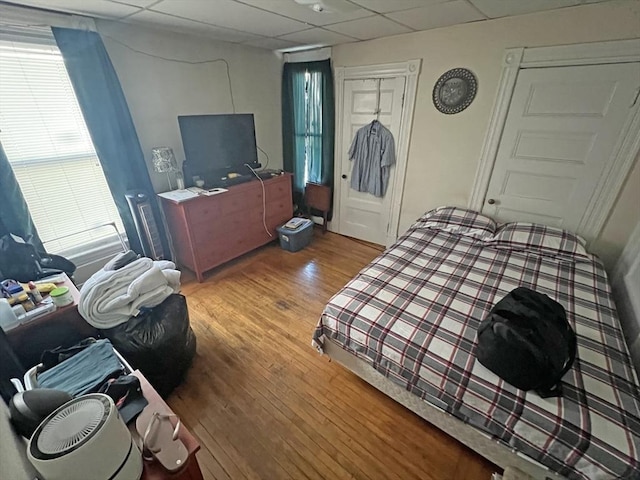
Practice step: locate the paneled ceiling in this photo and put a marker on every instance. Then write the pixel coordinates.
(296, 24)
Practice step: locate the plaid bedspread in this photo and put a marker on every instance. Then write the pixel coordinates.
(413, 312)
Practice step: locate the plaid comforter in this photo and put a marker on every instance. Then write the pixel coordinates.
(413, 312)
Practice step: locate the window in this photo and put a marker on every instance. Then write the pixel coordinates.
(309, 126)
(49, 148)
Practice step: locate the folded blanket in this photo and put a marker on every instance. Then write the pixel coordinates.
(111, 297)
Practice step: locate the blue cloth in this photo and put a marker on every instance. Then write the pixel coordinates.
(107, 116)
(85, 372)
(373, 152)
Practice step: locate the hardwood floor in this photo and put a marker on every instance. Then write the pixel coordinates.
(265, 405)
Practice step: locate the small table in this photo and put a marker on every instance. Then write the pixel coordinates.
(62, 327)
(153, 470)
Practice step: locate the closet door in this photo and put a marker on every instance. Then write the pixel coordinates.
(560, 137)
(361, 214)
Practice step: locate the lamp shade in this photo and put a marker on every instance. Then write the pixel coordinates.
(164, 161)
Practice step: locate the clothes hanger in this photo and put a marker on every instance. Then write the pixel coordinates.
(377, 110)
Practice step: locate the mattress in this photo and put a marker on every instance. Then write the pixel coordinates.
(413, 312)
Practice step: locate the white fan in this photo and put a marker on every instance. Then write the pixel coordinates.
(85, 438)
(329, 6)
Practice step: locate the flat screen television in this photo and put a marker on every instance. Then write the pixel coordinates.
(216, 145)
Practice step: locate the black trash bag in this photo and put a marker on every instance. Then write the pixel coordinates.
(527, 341)
(159, 342)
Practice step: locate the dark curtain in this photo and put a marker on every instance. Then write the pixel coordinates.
(14, 212)
(308, 124)
(107, 116)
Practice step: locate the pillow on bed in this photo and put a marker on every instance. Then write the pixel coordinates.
(549, 241)
(459, 221)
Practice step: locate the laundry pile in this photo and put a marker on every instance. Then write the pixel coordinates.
(113, 295)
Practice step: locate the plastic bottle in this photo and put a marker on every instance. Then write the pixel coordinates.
(35, 293)
(8, 318)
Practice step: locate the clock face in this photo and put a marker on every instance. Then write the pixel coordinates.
(454, 91)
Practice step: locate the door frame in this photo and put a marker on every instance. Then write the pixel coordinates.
(625, 152)
(410, 70)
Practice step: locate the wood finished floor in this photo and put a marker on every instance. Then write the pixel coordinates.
(265, 405)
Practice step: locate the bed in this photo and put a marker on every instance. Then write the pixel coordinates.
(407, 324)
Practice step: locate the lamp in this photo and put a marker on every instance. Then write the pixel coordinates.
(164, 161)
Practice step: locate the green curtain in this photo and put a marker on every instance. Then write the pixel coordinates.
(14, 212)
(308, 124)
(107, 116)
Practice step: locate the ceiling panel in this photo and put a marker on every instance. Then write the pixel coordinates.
(368, 28)
(271, 43)
(259, 22)
(137, 3)
(317, 37)
(188, 26)
(231, 14)
(385, 6)
(503, 8)
(438, 15)
(96, 8)
(344, 11)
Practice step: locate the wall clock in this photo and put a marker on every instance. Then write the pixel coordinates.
(455, 90)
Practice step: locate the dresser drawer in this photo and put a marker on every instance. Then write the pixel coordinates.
(277, 191)
(203, 211)
(232, 204)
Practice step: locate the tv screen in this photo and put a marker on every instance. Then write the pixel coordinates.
(215, 145)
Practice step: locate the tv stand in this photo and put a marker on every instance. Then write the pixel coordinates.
(208, 231)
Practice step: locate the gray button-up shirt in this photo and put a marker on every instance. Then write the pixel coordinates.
(373, 152)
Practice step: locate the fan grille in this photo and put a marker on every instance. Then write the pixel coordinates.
(72, 425)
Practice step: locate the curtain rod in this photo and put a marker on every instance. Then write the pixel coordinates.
(15, 15)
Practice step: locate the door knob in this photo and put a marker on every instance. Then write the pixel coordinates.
(344, 176)
(491, 201)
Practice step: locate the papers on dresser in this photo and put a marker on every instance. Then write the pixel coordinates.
(178, 195)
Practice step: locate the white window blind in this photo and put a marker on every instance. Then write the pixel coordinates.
(49, 148)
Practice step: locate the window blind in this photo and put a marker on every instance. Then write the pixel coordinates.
(50, 150)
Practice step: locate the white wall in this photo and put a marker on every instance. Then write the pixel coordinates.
(158, 90)
(625, 282)
(445, 149)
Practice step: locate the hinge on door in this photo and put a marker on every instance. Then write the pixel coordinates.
(635, 99)
(402, 100)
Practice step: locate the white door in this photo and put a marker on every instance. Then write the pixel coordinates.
(561, 131)
(361, 214)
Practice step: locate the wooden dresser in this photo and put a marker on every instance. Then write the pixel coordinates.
(208, 231)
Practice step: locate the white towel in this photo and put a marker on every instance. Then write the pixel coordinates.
(110, 297)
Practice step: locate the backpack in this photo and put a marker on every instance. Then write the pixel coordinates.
(19, 260)
(527, 341)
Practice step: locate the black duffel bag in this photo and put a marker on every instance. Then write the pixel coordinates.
(527, 341)
(159, 342)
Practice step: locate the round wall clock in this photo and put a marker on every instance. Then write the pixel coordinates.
(454, 91)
